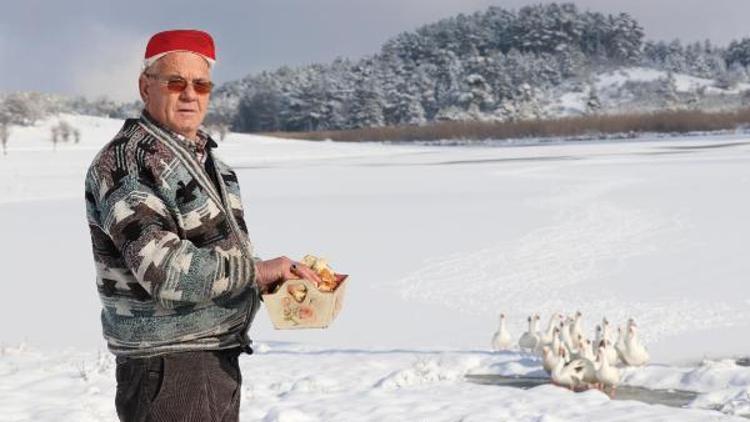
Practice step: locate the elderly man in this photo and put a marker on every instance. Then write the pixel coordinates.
(176, 273)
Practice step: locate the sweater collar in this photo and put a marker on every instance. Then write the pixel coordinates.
(199, 145)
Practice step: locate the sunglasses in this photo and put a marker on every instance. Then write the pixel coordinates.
(178, 84)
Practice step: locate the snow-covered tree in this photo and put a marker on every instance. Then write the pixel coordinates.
(548, 28)
(366, 106)
(493, 64)
(593, 103)
(23, 108)
(739, 52)
(731, 77)
(625, 39)
(527, 103)
(448, 79)
(406, 105)
(477, 98)
(259, 112)
(668, 91)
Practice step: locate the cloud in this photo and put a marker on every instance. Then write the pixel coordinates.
(93, 47)
(3, 53)
(111, 67)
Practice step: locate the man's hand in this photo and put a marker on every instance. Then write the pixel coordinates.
(278, 270)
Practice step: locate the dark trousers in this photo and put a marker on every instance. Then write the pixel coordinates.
(186, 386)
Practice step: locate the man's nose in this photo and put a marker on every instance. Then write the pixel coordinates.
(189, 94)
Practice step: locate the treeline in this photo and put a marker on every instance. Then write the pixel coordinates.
(25, 108)
(488, 65)
(495, 65)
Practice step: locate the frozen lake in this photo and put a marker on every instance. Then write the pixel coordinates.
(437, 240)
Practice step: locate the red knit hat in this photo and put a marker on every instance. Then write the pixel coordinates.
(191, 40)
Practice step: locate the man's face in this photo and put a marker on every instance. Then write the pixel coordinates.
(183, 112)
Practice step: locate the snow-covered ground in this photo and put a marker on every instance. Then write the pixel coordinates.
(298, 383)
(615, 100)
(438, 241)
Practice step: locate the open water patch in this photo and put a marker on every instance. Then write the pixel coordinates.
(672, 398)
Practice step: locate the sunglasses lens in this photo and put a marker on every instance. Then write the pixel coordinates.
(202, 87)
(176, 85)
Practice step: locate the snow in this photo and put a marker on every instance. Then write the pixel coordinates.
(38, 172)
(565, 101)
(615, 79)
(437, 240)
(296, 383)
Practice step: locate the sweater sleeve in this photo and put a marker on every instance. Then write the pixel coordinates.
(172, 270)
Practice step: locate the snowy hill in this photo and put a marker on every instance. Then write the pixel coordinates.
(541, 61)
(438, 241)
(612, 92)
(538, 62)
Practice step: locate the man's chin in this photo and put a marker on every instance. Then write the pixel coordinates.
(187, 127)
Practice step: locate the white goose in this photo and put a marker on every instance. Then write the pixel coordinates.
(634, 354)
(602, 336)
(631, 322)
(549, 359)
(610, 352)
(607, 376)
(565, 337)
(556, 344)
(620, 344)
(606, 329)
(575, 329)
(585, 349)
(550, 354)
(576, 374)
(530, 339)
(598, 335)
(549, 335)
(502, 339)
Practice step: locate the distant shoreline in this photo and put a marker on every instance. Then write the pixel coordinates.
(576, 129)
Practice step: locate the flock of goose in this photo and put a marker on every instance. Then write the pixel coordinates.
(570, 358)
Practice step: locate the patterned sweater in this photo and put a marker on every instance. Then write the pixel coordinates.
(174, 264)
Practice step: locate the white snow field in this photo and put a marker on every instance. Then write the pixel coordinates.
(438, 241)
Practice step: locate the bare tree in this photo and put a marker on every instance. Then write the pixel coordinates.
(4, 135)
(55, 137)
(66, 130)
(63, 132)
(223, 130)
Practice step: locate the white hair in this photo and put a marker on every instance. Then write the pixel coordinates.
(147, 63)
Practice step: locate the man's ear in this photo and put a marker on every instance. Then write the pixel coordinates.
(143, 88)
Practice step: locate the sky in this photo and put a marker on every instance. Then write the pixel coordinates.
(94, 48)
